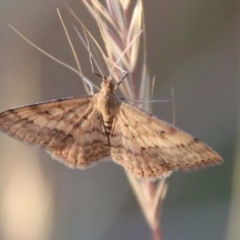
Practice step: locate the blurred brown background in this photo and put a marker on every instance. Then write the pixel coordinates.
(192, 46)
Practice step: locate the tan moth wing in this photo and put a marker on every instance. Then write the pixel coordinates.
(84, 130)
(70, 129)
(149, 147)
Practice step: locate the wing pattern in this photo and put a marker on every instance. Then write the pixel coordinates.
(71, 130)
(149, 147)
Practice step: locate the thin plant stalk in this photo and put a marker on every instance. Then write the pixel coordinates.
(122, 31)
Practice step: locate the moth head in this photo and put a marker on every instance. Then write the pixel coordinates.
(108, 84)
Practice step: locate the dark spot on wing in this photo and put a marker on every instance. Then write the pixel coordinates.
(46, 112)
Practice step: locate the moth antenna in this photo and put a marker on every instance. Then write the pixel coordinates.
(119, 82)
(100, 75)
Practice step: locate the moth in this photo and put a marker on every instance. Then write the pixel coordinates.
(81, 131)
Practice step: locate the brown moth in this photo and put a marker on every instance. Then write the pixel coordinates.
(84, 130)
